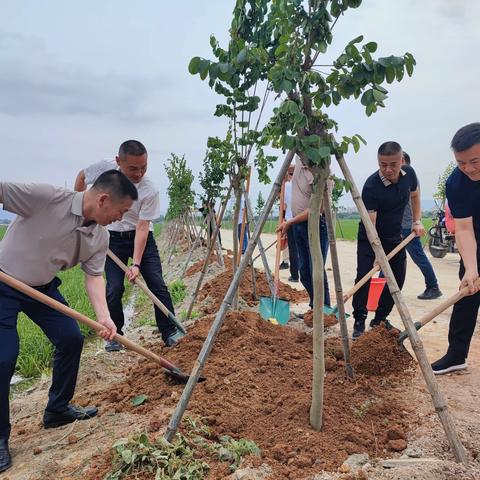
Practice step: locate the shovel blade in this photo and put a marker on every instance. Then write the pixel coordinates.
(276, 309)
(333, 311)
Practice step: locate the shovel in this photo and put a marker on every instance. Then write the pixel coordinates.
(274, 309)
(149, 293)
(334, 310)
(437, 311)
(169, 368)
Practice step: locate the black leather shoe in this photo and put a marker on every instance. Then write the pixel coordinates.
(5, 458)
(430, 294)
(358, 329)
(72, 413)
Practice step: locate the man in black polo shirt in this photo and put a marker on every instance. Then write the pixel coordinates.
(463, 195)
(385, 194)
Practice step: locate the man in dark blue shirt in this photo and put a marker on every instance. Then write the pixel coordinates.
(463, 195)
(385, 194)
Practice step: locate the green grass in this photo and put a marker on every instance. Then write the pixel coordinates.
(346, 228)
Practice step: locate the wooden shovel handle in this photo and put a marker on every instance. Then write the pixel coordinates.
(445, 304)
(148, 292)
(70, 312)
(376, 267)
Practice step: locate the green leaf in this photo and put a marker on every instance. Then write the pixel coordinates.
(390, 73)
(139, 399)
(325, 151)
(378, 96)
(193, 65)
(127, 456)
(371, 46)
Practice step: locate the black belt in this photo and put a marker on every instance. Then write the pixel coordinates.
(129, 234)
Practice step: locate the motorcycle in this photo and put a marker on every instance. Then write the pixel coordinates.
(440, 240)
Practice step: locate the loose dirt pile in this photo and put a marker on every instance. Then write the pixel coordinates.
(259, 387)
(217, 287)
(328, 320)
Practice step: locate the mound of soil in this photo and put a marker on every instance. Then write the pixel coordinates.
(217, 287)
(328, 320)
(259, 387)
(198, 266)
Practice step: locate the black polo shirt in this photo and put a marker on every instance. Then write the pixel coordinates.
(463, 196)
(388, 200)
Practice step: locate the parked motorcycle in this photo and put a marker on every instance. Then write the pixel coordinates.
(440, 240)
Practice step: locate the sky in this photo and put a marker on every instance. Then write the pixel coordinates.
(79, 78)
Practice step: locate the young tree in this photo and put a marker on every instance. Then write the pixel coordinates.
(282, 43)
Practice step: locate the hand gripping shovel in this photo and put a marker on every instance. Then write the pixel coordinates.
(272, 308)
(169, 368)
(334, 310)
(437, 311)
(149, 293)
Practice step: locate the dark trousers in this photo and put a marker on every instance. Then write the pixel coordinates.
(246, 236)
(462, 322)
(292, 253)
(416, 251)
(61, 330)
(365, 261)
(151, 270)
(300, 233)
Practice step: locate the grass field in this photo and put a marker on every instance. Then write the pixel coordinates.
(346, 228)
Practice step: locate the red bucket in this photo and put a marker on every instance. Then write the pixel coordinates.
(376, 289)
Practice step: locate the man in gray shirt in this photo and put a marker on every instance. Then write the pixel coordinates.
(55, 230)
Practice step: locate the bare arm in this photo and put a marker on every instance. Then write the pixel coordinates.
(467, 246)
(80, 185)
(301, 217)
(141, 234)
(95, 286)
(417, 213)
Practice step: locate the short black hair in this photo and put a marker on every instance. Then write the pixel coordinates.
(466, 137)
(132, 147)
(389, 148)
(116, 184)
(406, 158)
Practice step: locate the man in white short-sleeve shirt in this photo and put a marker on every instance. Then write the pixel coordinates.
(132, 237)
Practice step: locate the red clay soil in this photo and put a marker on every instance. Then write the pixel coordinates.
(217, 287)
(328, 320)
(198, 266)
(259, 387)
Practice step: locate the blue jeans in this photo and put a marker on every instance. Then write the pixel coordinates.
(416, 252)
(305, 260)
(61, 330)
(151, 270)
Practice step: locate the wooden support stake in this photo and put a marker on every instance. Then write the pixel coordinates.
(417, 345)
(338, 284)
(226, 304)
(209, 251)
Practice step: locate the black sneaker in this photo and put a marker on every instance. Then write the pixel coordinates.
(430, 294)
(173, 339)
(72, 413)
(376, 323)
(5, 458)
(291, 279)
(358, 329)
(448, 363)
(113, 346)
(284, 265)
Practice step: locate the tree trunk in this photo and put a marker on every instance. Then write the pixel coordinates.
(316, 199)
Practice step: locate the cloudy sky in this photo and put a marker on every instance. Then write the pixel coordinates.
(78, 78)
